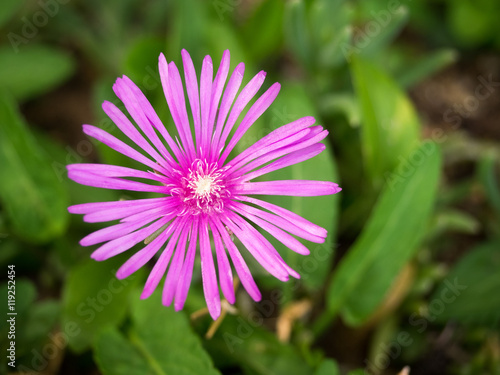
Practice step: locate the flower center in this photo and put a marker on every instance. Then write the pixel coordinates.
(201, 189)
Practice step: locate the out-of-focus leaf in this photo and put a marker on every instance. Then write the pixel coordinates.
(255, 349)
(330, 30)
(390, 127)
(33, 70)
(489, 180)
(467, 295)
(159, 342)
(93, 298)
(481, 18)
(388, 241)
(323, 210)
(453, 220)
(31, 193)
(296, 32)
(415, 71)
(7, 9)
(141, 62)
(344, 103)
(263, 32)
(378, 32)
(328, 367)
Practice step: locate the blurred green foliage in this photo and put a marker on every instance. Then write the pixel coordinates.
(412, 252)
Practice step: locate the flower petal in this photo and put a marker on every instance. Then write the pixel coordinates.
(294, 188)
(225, 273)
(209, 277)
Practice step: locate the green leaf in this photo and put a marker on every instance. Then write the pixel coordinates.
(331, 31)
(488, 178)
(247, 344)
(159, 342)
(141, 62)
(296, 32)
(380, 30)
(328, 367)
(414, 72)
(323, 211)
(33, 70)
(7, 9)
(93, 298)
(390, 127)
(467, 295)
(31, 193)
(388, 241)
(263, 32)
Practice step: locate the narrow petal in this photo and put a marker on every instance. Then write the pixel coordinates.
(277, 233)
(277, 135)
(161, 265)
(252, 115)
(243, 99)
(217, 87)
(205, 101)
(225, 273)
(121, 229)
(251, 241)
(129, 129)
(166, 78)
(294, 188)
(116, 213)
(120, 147)
(118, 246)
(287, 216)
(175, 268)
(90, 179)
(209, 277)
(284, 224)
(139, 259)
(193, 95)
(177, 105)
(239, 263)
(187, 269)
(227, 100)
(137, 104)
(287, 160)
(93, 207)
(314, 136)
(107, 170)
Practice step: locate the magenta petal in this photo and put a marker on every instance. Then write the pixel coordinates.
(175, 268)
(225, 273)
(161, 265)
(144, 255)
(187, 268)
(217, 87)
(227, 100)
(243, 99)
(192, 91)
(252, 115)
(294, 188)
(205, 101)
(210, 287)
(119, 245)
(239, 263)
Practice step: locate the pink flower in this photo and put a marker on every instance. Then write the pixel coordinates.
(202, 192)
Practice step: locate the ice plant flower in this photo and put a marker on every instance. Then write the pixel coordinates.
(203, 194)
